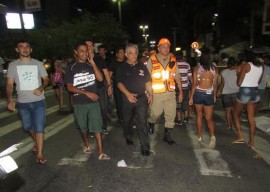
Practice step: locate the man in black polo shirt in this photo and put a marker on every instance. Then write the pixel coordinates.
(134, 81)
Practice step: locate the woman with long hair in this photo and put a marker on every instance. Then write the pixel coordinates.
(248, 79)
(203, 95)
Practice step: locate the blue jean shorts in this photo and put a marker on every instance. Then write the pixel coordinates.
(33, 115)
(203, 98)
(248, 94)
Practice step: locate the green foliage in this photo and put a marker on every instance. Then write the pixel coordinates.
(58, 40)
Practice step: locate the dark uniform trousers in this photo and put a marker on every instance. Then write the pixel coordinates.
(138, 110)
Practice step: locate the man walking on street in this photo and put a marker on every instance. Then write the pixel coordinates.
(27, 74)
(120, 59)
(164, 73)
(133, 80)
(81, 77)
(104, 87)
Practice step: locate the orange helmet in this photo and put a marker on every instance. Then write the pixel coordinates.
(164, 41)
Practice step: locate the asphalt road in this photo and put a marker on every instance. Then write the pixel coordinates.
(185, 166)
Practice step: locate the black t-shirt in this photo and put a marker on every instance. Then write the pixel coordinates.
(114, 67)
(133, 77)
(101, 64)
(82, 76)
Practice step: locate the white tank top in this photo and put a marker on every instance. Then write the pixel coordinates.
(252, 77)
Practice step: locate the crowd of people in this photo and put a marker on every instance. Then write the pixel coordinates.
(143, 89)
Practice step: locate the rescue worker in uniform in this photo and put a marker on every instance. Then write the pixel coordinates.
(164, 73)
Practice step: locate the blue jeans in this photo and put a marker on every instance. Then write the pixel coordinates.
(33, 115)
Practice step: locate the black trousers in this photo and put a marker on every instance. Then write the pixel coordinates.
(139, 111)
(103, 103)
(118, 102)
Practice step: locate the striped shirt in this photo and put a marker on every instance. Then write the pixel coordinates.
(185, 72)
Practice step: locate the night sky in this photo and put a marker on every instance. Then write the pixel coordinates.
(155, 13)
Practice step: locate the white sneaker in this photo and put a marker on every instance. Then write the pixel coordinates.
(199, 139)
(212, 143)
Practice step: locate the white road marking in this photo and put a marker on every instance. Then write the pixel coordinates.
(18, 124)
(210, 161)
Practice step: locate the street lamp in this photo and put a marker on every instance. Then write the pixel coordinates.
(144, 28)
(119, 2)
(145, 38)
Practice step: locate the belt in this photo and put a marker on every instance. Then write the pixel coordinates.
(204, 91)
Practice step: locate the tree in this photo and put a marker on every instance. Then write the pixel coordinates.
(58, 40)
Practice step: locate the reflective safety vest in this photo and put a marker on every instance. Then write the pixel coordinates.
(163, 78)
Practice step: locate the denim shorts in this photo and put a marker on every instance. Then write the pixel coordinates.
(203, 98)
(33, 115)
(228, 100)
(88, 117)
(248, 94)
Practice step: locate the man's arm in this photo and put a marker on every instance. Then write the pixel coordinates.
(149, 90)
(130, 96)
(45, 83)
(9, 91)
(108, 81)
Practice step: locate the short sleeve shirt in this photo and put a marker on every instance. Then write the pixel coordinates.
(133, 77)
(82, 76)
(27, 76)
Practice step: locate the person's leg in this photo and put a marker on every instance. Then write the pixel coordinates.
(251, 110)
(103, 106)
(228, 112)
(184, 105)
(156, 109)
(199, 115)
(81, 121)
(128, 110)
(61, 100)
(236, 115)
(141, 110)
(208, 111)
(57, 94)
(38, 115)
(98, 138)
(118, 103)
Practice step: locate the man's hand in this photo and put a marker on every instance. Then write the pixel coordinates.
(11, 106)
(92, 96)
(190, 101)
(180, 97)
(150, 99)
(38, 91)
(132, 97)
(109, 90)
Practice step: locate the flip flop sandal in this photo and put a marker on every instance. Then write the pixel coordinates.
(87, 150)
(240, 141)
(103, 156)
(41, 160)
